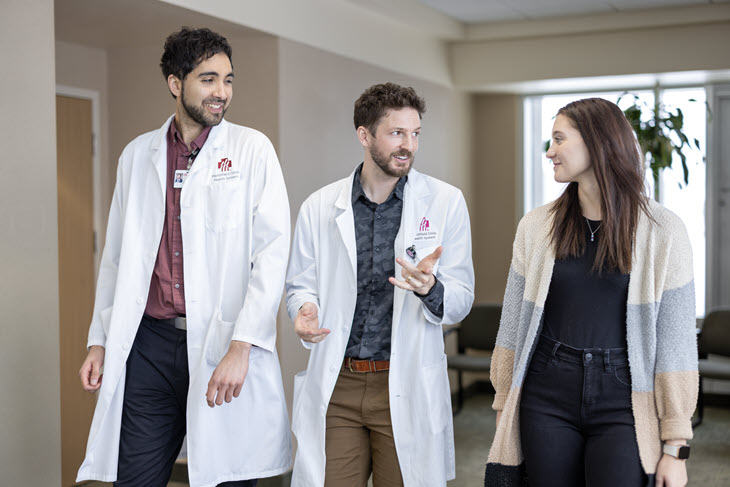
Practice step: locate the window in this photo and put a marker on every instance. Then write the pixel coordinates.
(687, 201)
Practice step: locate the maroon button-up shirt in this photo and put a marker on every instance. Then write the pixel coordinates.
(166, 298)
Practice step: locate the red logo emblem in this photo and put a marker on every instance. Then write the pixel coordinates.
(424, 225)
(225, 164)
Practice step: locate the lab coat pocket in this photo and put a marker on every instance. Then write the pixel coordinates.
(438, 395)
(219, 339)
(223, 206)
(105, 316)
(296, 403)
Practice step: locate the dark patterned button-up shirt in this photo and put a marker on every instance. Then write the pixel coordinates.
(376, 227)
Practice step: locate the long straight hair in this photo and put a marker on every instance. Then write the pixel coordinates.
(618, 164)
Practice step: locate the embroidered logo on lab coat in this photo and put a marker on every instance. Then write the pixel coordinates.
(225, 171)
(426, 234)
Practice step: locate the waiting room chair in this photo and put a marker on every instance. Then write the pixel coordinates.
(714, 339)
(478, 331)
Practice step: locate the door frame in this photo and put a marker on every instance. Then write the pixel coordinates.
(715, 187)
(95, 97)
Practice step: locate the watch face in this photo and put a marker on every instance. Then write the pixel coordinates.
(683, 453)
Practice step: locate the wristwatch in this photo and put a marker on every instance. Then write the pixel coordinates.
(677, 451)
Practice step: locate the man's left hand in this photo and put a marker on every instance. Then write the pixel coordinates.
(418, 279)
(227, 379)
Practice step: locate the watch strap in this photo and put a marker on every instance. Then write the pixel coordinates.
(677, 451)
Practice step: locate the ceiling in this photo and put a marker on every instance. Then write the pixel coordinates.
(481, 11)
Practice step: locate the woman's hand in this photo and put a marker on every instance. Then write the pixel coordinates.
(671, 472)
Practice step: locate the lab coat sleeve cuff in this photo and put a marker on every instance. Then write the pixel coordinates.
(295, 303)
(99, 341)
(434, 299)
(254, 341)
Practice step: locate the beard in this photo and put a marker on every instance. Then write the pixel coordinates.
(200, 115)
(383, 161)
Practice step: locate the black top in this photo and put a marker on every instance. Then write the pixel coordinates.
(583, 309)
(376, 227)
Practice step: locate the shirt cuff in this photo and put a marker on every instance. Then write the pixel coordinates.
(434, 299)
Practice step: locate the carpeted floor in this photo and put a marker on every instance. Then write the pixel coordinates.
(474, 428)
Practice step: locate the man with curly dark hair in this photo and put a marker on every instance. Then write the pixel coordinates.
(188, 351)
(375, 396)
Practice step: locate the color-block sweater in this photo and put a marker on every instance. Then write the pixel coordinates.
(660, 328)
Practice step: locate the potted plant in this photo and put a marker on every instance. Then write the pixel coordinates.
(660, 136)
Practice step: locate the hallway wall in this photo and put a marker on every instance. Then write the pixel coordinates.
(30, 436)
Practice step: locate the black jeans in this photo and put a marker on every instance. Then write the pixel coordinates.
(576, 421)
(155, 399)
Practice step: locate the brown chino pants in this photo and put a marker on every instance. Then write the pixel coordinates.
(359, 437)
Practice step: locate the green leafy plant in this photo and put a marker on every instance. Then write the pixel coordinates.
(660, 136)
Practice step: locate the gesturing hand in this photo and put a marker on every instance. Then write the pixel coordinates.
(306, 324)
(418, 279)
(90, 372)
(227, 379)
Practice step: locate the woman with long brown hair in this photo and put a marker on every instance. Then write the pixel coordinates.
(595, 366)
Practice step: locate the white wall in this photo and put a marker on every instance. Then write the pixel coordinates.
(30, 436)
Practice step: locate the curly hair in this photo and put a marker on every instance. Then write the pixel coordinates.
(185, 49)
(374, 103)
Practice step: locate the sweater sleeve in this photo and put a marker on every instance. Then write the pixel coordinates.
(676, 380)
(503, 356)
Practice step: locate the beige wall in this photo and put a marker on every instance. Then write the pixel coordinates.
(30, 436)
(496, 178)
(318, 143)
(400, 41)
(645, 50)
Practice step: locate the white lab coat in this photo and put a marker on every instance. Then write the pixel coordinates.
(235, 230)
(323, 270)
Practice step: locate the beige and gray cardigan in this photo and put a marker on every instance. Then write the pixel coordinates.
(660, 328)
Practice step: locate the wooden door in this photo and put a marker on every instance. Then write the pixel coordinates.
(76, 273)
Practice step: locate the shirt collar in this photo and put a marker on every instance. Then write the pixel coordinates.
(357, 190)
(196, 144)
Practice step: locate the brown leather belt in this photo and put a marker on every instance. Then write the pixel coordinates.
(362, 366)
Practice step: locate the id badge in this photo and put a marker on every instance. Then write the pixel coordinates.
(180, 176)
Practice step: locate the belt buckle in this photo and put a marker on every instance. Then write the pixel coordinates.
(354, 371)
(181, 323)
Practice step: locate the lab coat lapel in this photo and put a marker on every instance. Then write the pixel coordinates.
(346, 222)
(158, 156)
(211, 150)
(414, 193)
